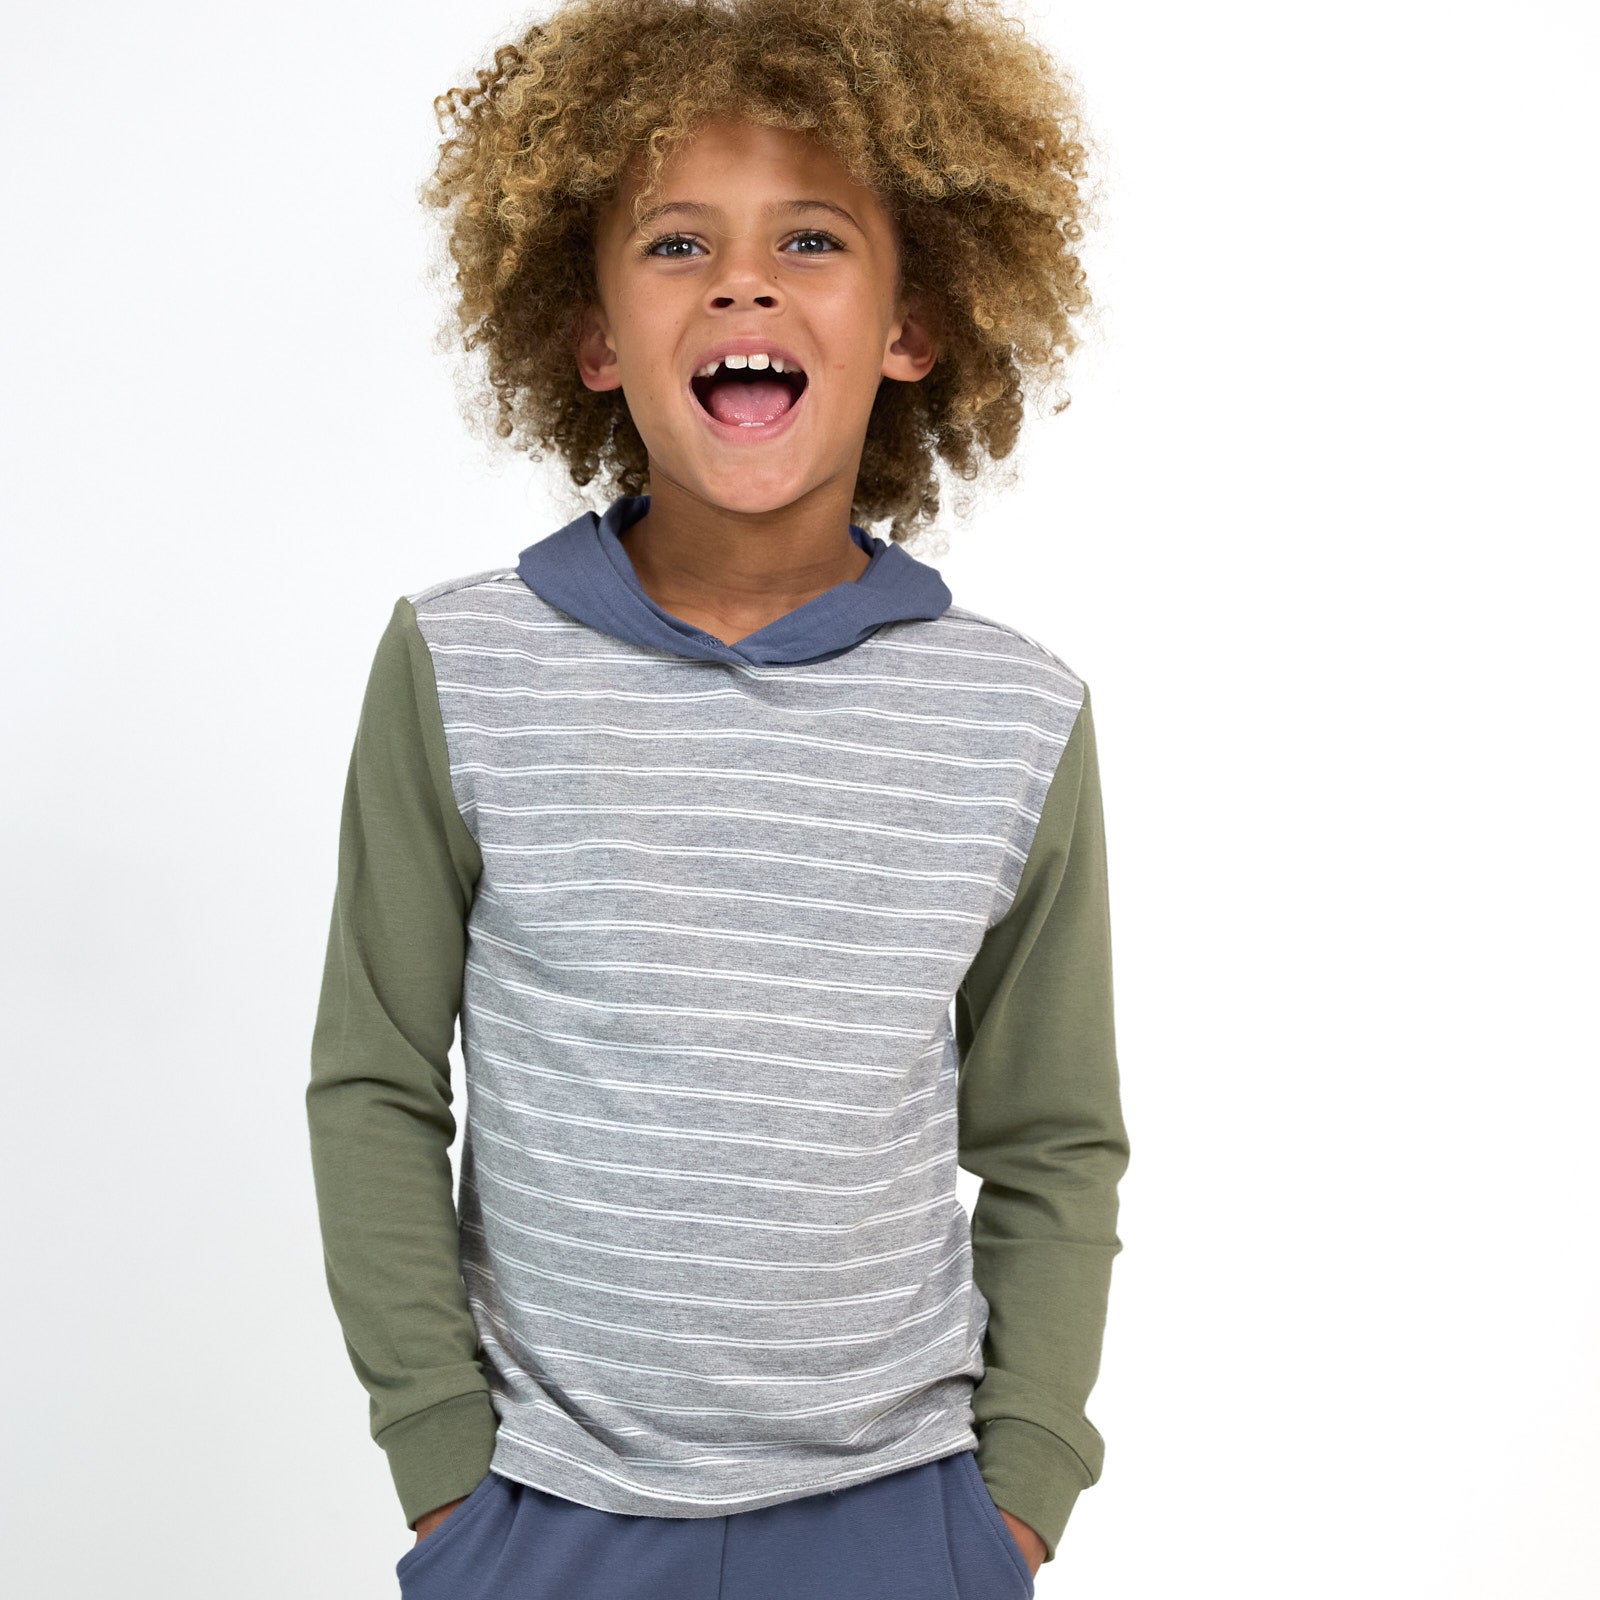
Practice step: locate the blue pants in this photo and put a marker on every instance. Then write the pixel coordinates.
(931, 1532)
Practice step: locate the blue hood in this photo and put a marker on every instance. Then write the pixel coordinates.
(584, 570)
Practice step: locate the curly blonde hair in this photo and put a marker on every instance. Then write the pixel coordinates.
(970, 133)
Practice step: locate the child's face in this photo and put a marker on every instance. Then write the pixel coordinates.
(747, 264)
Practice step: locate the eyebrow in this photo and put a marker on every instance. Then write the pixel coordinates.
(700, 208)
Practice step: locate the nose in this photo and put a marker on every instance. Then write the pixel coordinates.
(747, 277)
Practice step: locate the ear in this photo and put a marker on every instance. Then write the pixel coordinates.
(596, 355)
(915, 346)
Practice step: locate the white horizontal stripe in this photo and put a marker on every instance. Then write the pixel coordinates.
(851, 677)
(718, 1262)
(718, 1218)
(703, 892)
(897, 1398)
(698, 1052)
(701, 775)
(650, 698)
(898, 1292)
(962, 617)
(739, 1180)
(720, 974)
(705, 1013)
(624, 696)
(1032, 662)
(866, 1152)
(833, 1341)
(870, 826)
(879, 952)
(730, 853)
(728, 736)
(746, 1378)
(591, 651)
(696, 1092)
(955, 619)
(821, 1381)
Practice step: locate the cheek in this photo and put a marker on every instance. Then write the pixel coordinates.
(854, 376)
(855, 338)
(650, 381)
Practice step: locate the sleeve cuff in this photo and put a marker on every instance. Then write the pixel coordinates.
(440, 1454)
(1032, 1474)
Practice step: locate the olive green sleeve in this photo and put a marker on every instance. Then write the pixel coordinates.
(1041, 1125)
(378, 1102)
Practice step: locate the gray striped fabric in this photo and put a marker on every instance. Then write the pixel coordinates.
(709, 1224)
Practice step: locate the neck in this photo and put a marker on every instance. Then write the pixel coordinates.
(733, 572)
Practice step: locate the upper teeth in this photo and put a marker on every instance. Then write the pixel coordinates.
(757, 359)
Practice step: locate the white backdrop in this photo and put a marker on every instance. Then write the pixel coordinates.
(1318, 530)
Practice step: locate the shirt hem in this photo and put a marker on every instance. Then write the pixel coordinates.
(582, 1485)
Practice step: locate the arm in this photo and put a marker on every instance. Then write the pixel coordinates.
(378, 1103)
(1041, 1124)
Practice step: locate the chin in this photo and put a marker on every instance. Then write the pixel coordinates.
(749, 489)
(751, 499)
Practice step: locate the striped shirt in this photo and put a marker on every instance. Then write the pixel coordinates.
(747, 959)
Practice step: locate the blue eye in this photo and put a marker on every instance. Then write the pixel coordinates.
(654, 245)
(817, 233)
(670, 238)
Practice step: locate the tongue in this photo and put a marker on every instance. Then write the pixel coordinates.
(737, 402)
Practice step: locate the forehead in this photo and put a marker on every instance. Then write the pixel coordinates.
(737, 165)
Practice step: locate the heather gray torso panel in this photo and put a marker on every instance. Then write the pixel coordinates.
(710, 1229)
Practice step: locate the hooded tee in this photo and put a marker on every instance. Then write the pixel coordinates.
(751, 946)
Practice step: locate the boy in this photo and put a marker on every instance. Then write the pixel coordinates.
(766, 882)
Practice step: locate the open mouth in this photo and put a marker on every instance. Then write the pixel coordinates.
(748, 397)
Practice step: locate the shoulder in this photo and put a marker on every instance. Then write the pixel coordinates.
(990, 641)
(455, 609)
(1020, 690)
(477, 609)
(440, 596)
